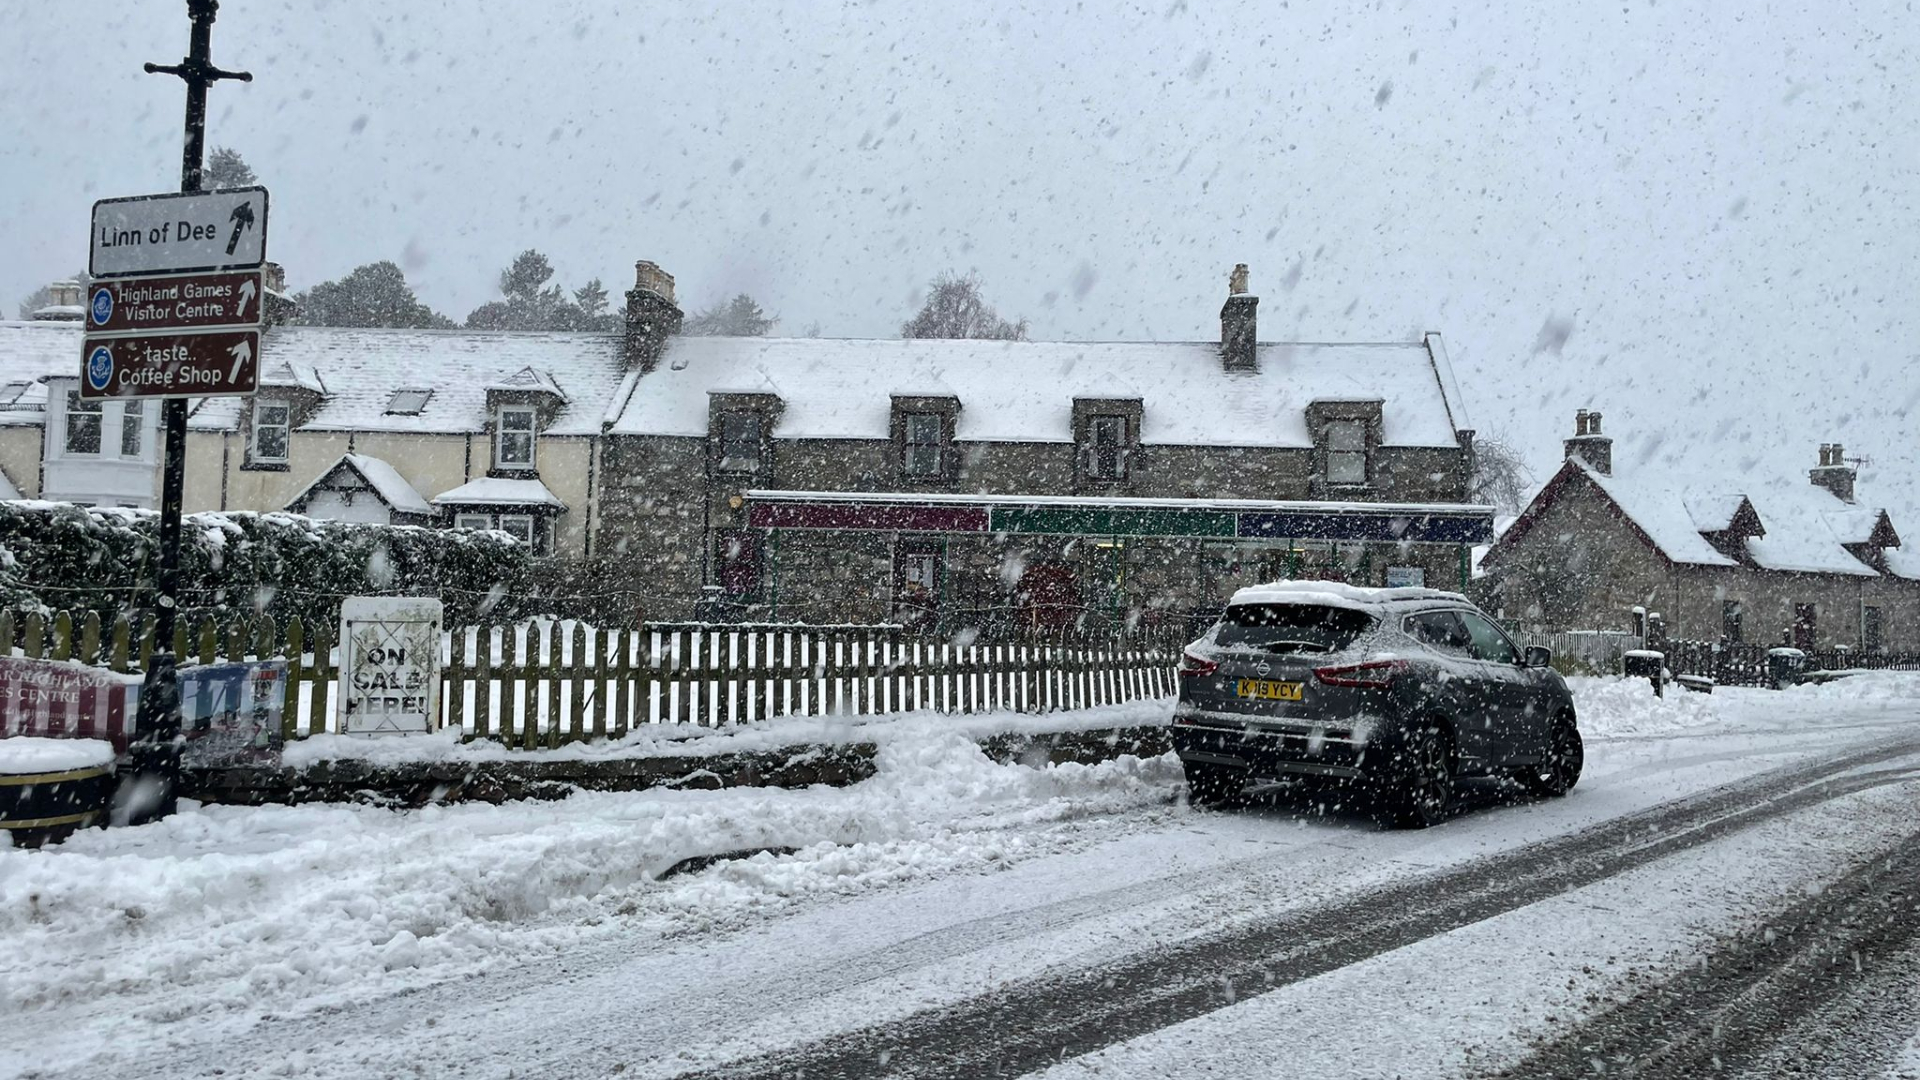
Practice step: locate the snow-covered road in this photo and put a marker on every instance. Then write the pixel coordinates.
(894, 924)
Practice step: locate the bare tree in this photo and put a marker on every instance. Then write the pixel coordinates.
(1500, 478)
(954, 309)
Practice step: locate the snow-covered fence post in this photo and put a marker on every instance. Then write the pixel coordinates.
(577, 685)
(296, 669)
(90, 638)
(483, 682)
(33, 642)
(62, 636)
(118, 655)
(321, 673)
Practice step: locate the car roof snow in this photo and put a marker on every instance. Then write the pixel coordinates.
(1336, 594)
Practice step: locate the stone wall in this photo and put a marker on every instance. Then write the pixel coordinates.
(657, 501)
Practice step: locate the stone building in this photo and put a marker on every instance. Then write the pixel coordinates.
(940, 483)
(1801, 563)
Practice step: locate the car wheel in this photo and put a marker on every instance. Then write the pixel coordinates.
(1214, 785)
(1566, 753)
(1419, 784)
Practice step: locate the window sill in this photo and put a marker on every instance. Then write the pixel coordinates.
(265, 466)
(514, 472)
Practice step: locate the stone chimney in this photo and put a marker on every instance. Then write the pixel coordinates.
(66, 303)
(1834, 474)
(1589, 445)
(652, 316)
(1239, 328)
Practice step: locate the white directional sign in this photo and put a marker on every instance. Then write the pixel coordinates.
(165, 234)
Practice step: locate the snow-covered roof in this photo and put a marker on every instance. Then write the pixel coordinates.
(357, 371)
(1805, 527)
(1799, 536)
(529, 379)
(383, 478)
(1024, 390)
(29, 353)
(1713, 513)
(499, 491)
(282, 372)
(1854, 526)
(830, 388)
(1659, 508)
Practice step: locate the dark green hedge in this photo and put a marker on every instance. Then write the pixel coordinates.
(55, 556)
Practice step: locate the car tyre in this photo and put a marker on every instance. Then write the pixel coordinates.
(1417, 788)
(1214, 785)
(1560, 770)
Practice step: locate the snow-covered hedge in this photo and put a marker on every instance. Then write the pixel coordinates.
(57, 556)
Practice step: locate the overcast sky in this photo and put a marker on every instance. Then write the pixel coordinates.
(1704, 225)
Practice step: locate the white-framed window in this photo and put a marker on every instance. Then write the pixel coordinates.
(740, 442)
(473, 521)
(513, 437)
(83, 424)
(921, 455)
(1346, 452)
(518, 526)
(272, 425)
(133, 416)
(1107, 447)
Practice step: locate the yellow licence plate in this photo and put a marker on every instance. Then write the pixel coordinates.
(1264, 690)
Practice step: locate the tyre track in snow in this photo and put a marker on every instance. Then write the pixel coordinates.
(1826, 987)
(1039, 1021)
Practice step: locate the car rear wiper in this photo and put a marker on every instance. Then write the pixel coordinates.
(1293, 645)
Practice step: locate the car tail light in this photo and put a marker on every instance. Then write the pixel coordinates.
(1374, 673)
(1195, 666)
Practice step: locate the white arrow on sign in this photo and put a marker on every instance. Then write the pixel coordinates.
(246, 293)
(241, 353)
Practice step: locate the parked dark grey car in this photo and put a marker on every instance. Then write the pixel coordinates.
(1399, 692)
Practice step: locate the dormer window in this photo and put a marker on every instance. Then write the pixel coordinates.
(924, 448)
(272, 430)
(740, 442)
(83, 424)
(1347, 452)
(1107, 447)
(513, 437)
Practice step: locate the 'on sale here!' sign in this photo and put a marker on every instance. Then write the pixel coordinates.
(390, 665)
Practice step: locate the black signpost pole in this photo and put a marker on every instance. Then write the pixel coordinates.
(156, 743)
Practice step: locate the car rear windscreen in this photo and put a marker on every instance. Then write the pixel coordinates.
(1291, 627)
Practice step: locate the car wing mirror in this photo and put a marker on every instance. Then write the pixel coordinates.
(1539, 656)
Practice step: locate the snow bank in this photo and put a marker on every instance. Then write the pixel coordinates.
(685, 740)
(30, 754)
(295, 908)
(1863, 686)
(1608, 706)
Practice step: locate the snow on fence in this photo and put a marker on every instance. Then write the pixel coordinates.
(543, 683)
(1584, 652)
(1746, 664)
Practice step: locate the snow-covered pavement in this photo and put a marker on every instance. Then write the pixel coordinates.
(594, 934)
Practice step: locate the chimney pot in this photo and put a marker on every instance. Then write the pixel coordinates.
(652, 316)
(1834, 475)
(1239, 325)
(1588, 445)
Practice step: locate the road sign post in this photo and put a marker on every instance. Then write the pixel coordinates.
(150, 791)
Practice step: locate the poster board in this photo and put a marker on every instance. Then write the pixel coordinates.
(390, 665)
